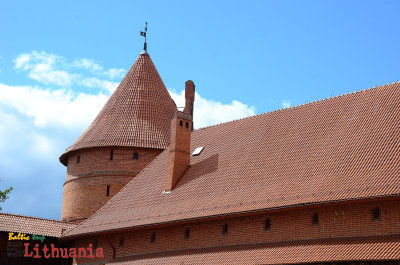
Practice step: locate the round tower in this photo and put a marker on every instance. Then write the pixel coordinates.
(129, 132)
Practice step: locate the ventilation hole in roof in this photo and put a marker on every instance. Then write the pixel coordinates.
(197, 151)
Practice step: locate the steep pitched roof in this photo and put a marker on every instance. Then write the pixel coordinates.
(33, 225)
(137, 114)
(342, 148)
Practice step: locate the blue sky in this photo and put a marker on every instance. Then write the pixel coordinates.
(59, 62)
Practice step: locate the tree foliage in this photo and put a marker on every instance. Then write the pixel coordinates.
(4, 194)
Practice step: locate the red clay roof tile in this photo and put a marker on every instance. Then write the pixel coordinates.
(138, 113)
(33, 225)
(342, 148)
(374, 248)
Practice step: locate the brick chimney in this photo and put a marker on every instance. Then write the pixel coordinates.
(179, 148)
(189, 96)
(179, 144)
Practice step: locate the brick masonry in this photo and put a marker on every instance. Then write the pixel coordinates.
(335, 220)
(85, 188)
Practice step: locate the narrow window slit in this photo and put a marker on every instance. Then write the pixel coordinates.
(376, 214)
(153, 238)
(187, 233)
(315, 219)
(108, 190)
(225, 229)
(267, 225)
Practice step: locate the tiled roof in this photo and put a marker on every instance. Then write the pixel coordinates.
(33, 225)
(342, 148)
(137, 114)
(329, 250)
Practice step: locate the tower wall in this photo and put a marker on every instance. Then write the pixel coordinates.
(95, 175)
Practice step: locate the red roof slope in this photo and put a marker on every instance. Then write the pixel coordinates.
(137, 114)
(374, 248)
(342, 148)
(33, 225)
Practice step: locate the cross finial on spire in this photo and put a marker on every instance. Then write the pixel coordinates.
(144, 34)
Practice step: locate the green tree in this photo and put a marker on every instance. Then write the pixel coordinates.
(4, 195)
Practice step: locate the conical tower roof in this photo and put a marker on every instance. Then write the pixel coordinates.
(138, 113)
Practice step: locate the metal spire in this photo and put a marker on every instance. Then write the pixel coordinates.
(144, 34)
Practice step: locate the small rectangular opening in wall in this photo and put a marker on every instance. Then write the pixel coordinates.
(187, 233)
(153, 238)
(135, 156)
(78, 159)
(315, 219)
(267, 225)
(121, 241)
(376, 214)
(95, 244)
(225, 229)
(108, 190)
(111, 154)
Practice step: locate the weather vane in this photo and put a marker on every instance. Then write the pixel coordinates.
(144, 34)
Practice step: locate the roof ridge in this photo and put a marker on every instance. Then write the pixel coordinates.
(33, 217)
(292, 107)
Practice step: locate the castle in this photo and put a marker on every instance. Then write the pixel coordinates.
(317, 183)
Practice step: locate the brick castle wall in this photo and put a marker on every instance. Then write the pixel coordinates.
(334, 220)
(90, 171)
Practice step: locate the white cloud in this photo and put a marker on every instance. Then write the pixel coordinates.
(286, 104)
(87, 64)
(208, 112)
(115, 73)
(52, 69)
(41, 68)
(98, 83)
(52, 107)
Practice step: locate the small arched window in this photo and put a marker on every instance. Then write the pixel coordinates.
(187, 125)
(180, 123)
